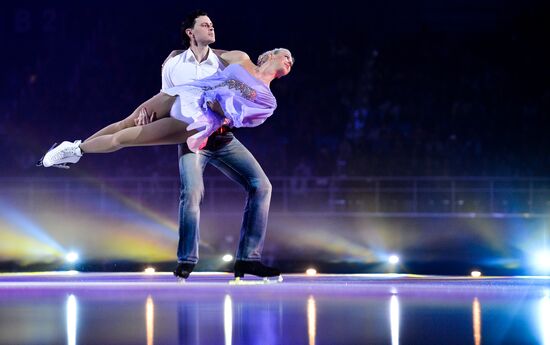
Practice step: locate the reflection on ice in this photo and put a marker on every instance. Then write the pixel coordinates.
(72, 315)
(311, 319)
(394, 320)
(149, 319)
(228, 320)
(476, 317)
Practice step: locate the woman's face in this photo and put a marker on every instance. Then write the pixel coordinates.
(284, 62)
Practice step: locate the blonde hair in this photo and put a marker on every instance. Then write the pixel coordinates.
(265, 56)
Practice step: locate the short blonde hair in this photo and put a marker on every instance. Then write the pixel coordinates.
(265, 56)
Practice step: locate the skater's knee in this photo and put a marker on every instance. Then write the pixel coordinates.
(118, 142)
(192, 196)
(126, 123)
(260, 186)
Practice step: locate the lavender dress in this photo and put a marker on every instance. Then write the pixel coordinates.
(245, 101)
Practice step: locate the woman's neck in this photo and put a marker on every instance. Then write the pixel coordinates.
(265, 74)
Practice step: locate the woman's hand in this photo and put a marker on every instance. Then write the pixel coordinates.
(144, 118)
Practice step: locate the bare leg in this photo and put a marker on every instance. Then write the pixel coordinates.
(164, 131)
(160, 103)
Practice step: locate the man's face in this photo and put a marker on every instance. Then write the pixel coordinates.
(203, 31)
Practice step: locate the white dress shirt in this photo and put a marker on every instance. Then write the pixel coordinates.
(184, 68)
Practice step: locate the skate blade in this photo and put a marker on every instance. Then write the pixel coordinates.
(181, 280)
(271, 280)
(61, 166)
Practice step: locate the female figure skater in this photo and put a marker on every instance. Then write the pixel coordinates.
(238, 96)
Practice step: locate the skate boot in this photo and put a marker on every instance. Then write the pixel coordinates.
(59, 156)
(255, 268)
(183, 269)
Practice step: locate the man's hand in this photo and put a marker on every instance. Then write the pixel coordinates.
(144, 118)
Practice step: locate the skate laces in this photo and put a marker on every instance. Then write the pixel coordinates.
(67, 152)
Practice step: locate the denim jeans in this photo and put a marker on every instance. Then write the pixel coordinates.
(232, 158)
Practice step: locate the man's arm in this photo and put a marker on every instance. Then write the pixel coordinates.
(166, 79)
(233, 56)
(219, 53)
(143, 117)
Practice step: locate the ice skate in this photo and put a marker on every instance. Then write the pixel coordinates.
(39, 163)
(183, 270)
(60, 156)
(256, 268)
(263, 281)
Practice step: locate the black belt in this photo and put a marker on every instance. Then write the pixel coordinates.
(222, 130)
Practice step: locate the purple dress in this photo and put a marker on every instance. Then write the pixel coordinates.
(245, 101)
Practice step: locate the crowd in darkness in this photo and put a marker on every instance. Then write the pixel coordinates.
(424, 102)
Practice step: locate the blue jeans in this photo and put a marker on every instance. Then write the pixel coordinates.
(227, 154)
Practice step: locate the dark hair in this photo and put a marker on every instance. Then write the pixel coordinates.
(189, 23)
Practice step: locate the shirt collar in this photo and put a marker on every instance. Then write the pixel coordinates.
(210, 60)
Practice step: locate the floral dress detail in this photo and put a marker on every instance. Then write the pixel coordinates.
(245, 101)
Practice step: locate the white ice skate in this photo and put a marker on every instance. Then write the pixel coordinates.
(60, 156)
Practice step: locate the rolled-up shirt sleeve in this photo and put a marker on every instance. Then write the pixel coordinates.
(166, 73)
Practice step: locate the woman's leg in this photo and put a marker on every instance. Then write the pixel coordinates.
(165, 131)
(125, 133)
(160, 103)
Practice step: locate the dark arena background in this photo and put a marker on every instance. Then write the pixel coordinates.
(408, 157)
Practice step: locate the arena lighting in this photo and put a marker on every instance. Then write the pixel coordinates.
(71, 257)
(542, 259)
(475, 274)
(149, 270)
(227, 258)
(393, 259)
(311, 271)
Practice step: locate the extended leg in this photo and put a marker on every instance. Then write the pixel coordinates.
(160, 103)
(239, 164)
(235, 161)
(166, 131)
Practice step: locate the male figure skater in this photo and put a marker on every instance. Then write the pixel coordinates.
(224, 152)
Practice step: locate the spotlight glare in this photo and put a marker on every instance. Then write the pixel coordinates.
(227, 258)
(311, 271)
(542, 259)
(72, 257)
(475, 274)
(393, 259)
(149, 270)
